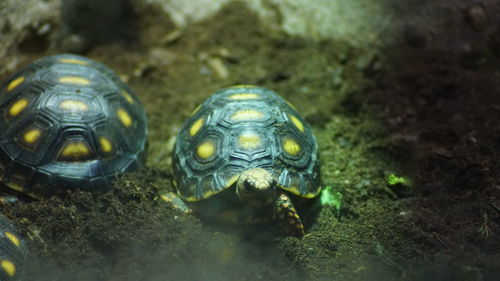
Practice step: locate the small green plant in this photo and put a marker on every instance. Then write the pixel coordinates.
(392, 180)
(332, 198)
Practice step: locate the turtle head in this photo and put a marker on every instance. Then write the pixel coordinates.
(256, 187)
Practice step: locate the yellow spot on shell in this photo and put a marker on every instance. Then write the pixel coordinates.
(75, 150)
(15, 186)
(291, 105)
(249, 141)
(14, 83)
(73, 61)
(232, 180)
(106, 145)
(291, 147)
(196, 126)
(244, 96)
(124, 117)
(205, 150)
(295, 190)
(8, 267)
(165, 198)
(244, 86)
(74, 80)
(205, 195)
(196, 110)
(32, 135)
(73, 105)
(296, 122)
(247, 115)
(18, 107)
(13, 238)
(127, 96)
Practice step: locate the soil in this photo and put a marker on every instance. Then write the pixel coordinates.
(425, 114)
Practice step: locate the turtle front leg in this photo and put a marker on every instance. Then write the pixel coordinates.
(176, 202)
(287, 217)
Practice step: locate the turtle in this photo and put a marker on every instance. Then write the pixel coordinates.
(246, 156)
(13, 251)
(68, 122)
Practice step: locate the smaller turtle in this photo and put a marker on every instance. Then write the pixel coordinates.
(13, 252)
(247, 157)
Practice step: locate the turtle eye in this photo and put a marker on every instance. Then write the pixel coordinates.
(273, 182)
(248, 186)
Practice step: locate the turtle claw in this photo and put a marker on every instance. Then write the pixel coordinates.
(287, 217)
(176, 202)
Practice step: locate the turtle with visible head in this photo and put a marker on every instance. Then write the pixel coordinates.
(246, 156)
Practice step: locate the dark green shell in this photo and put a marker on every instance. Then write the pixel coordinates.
(68, 121)
(13, 252)
(245, 127)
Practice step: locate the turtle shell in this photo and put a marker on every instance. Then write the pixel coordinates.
(68, 121)
(239, 128)
(13, 252)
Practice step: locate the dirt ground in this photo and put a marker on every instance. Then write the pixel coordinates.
(412, 109)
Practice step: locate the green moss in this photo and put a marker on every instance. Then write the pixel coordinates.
(392, 180)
